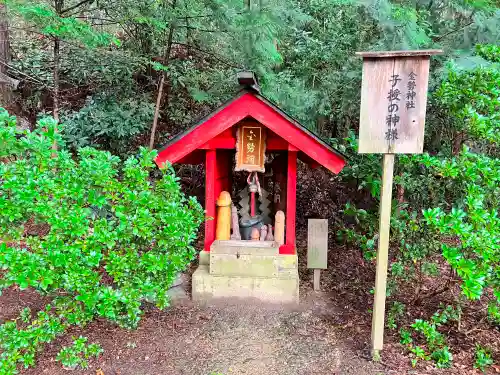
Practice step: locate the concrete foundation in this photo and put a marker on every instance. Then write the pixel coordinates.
(267, 289)
(246, 269)
(253, 265)
(204, 258)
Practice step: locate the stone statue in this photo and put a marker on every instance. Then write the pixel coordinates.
(223, 230)
(279, 228)
(263, 232)
(255, 234)
(235, 224)
(269, 236)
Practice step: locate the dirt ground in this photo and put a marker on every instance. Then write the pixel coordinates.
(227, 339)
(328, 333)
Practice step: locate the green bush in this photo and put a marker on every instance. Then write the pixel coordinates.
(108, 236)
(434, 346)
(78, 353)
(483, 358)
(108, 123)
(445, 211)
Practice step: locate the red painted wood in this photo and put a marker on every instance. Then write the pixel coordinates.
(196, 157)
(210, 170)
(286, 250)
(279, 167)
(315, 165)
(223, 171)
(220, 143)
(291, 197)
(251, 105)
(276, 144)
(310, 162)
(252, 204)
(223, 141)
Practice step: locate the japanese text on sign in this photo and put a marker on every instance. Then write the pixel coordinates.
(251, 149)
(411, 94)
(393, 101)
(393, 117)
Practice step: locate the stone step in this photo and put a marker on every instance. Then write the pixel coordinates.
(245, 247)
(206, 287)
(253, 265)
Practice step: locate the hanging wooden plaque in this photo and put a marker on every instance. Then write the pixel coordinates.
(394, 101)
(250, 146)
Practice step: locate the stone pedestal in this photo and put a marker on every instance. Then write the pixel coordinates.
(246, 269)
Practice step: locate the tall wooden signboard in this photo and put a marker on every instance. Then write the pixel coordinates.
(392, 121)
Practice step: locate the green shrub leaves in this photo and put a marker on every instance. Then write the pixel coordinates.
(108, 236)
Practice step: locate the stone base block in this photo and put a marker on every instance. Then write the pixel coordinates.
(267, 289)
(253, 265)
(204, 258)
(245, 247)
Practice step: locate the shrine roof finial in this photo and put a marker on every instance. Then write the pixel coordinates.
(248, 80)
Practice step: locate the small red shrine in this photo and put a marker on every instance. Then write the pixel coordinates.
(245, 131)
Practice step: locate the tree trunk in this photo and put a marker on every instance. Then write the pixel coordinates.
(59, 5)
(159, 97)
(55, 109)
(400, 195)
(458, 141)
(5, 88)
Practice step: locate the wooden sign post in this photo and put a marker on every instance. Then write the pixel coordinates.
(317, 248)
(250, 147)
(392, 121)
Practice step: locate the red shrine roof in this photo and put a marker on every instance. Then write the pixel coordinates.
(249, 103)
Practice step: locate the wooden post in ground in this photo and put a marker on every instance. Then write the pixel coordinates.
(317, 248)
(377, 339)
(317, 279)
(392, 121)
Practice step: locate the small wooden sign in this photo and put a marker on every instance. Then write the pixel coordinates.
(317, 243)
(394, 101)
(250, 147)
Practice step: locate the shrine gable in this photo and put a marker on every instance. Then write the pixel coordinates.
(220, 130)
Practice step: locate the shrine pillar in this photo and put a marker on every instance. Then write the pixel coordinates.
(291, 199)
(210, 186)
(217, 179)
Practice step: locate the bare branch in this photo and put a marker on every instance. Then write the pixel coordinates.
(10, 67)
(437, 39)
(215, 56)
(83, 2)
(204, 30)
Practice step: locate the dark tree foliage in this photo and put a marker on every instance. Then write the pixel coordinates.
(112, 69)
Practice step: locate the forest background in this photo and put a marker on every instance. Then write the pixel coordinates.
(121, 74)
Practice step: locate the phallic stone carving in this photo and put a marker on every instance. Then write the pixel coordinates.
(263, 232)
(279, 227)
(235, 224)
(269, 236)
(246, 226)
(223, 230)
(255, 234)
